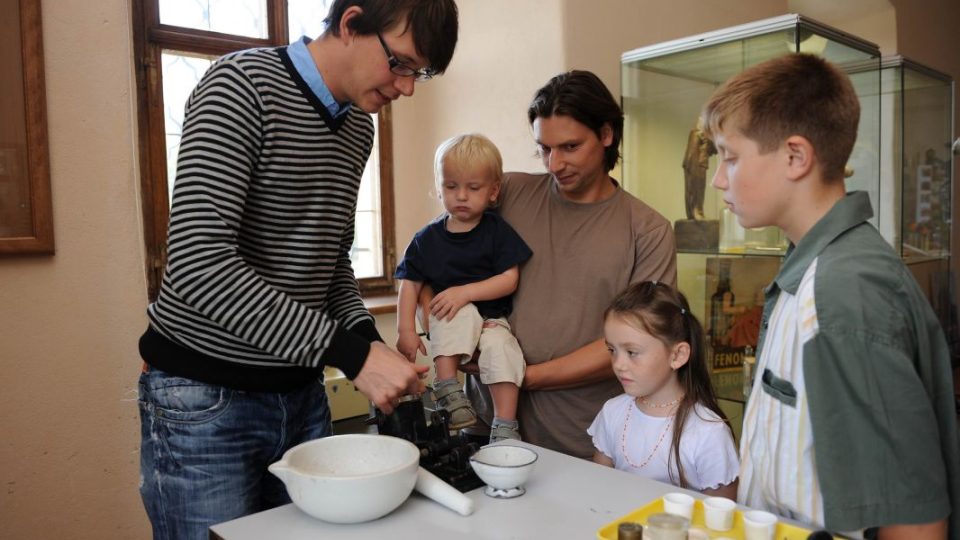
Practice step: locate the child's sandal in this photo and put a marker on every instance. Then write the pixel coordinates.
(455, 402)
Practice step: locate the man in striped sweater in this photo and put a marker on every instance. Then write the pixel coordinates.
(259, 293)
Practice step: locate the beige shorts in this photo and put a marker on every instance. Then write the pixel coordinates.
(500, 357)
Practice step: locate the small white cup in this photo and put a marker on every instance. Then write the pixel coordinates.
(759, 525)
(718, 513)
(678, 504)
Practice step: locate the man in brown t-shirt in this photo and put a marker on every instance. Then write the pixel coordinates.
(590, 239)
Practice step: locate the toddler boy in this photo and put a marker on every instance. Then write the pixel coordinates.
(469, 256)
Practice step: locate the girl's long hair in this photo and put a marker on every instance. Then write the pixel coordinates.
(664, 313)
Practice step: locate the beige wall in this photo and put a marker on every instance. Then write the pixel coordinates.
(69, 323)
(597, 32)
(872, 20)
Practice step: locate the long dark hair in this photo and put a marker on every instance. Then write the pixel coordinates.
(581, 95)
(664, 313)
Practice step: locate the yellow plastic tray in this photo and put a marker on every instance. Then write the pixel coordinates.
(784, 531)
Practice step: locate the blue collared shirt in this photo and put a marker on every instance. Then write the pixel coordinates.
(307, 69)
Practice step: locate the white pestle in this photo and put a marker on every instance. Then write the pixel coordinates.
(358, 477)
(434, 488)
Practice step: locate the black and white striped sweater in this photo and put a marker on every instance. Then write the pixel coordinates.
(259, 292)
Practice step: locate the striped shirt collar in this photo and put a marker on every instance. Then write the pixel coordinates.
(307, 69)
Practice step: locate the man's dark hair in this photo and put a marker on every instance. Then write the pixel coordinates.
(433, 23)
(581, 95)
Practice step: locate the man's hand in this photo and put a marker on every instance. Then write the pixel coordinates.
(446, 304)
(925, 531)
(387, 376)
(408, 343)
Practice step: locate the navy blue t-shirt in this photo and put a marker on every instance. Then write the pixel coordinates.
(443, 259)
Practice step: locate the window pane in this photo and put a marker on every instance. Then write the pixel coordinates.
(241, 17)
(181, 73)
(366, 261)
(368, 242)
(305, 17)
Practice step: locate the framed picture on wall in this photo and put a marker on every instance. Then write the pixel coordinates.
(26, 213)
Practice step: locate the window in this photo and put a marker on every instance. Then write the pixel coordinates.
(175, 43)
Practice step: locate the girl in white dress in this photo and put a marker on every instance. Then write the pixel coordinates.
(657, 350)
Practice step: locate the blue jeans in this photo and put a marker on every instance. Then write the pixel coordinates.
(205, 449)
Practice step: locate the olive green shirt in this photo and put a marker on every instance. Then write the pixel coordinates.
(876, 378)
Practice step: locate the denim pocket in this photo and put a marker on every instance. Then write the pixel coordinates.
(182, 400)
(780, 389)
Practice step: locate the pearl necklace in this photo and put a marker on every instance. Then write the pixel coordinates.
(626, 423)
(643, 399)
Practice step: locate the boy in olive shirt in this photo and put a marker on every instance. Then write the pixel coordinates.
(851, 423)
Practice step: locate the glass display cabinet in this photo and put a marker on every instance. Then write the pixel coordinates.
(916, 175)
(668, 164)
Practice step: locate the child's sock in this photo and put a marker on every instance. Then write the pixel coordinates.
(440, 383)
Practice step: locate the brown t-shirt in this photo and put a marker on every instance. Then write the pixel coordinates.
(583, 256)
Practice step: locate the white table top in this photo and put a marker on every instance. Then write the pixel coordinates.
(566, 498)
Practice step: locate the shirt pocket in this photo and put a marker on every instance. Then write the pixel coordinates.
(780, 389)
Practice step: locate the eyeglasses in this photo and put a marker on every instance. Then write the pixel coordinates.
(399, 68)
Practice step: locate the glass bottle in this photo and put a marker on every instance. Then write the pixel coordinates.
(665, 526)
(720, 299)
(731, 233)
(630, 530)
(764, 240)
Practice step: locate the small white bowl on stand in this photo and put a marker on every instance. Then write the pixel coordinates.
(504, 468)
